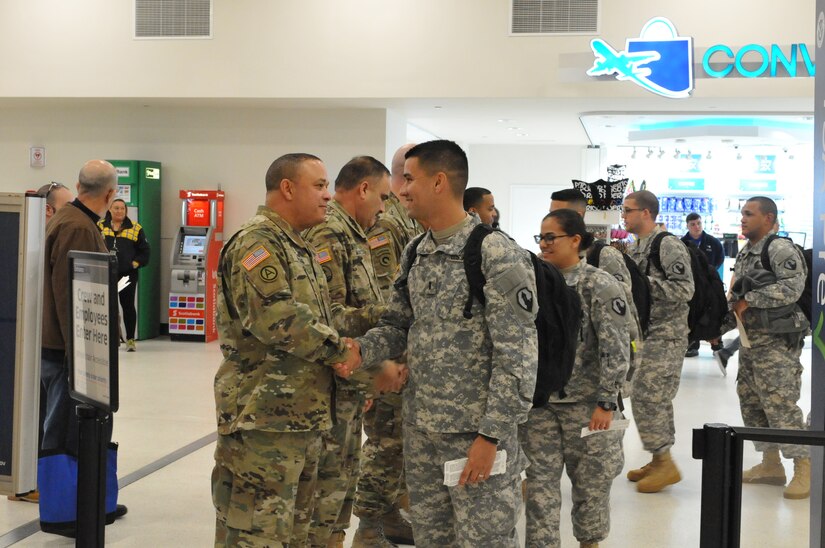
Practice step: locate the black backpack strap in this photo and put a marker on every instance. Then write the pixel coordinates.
(764, 257)
(595, 252)
(472, 267)
(401, 282)
(655, 247)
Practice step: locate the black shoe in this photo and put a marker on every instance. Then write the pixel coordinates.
(119, 512)
(717, 347)
(691, 353)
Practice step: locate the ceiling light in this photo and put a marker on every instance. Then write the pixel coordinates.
(633, 156)
(661, 153)
(514, 128)
(521, 135)
(437, 106)
(676, 154)
(708, 156)
(738, 155)
(503, 120)
(649, 153)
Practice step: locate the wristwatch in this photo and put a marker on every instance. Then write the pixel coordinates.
(607, 405)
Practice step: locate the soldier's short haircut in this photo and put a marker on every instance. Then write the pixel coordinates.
(286, 167)
(766, 205)
(445, 156)
(692, 217)
(473, 197)
(358, 169)
(572, 224)
(646, 200)
(573, 196)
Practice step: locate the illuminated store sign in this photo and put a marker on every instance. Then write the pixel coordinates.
(661, 61)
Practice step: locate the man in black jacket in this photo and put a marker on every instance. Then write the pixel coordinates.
(712, 248)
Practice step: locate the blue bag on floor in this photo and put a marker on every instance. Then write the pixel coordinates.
(57, 483)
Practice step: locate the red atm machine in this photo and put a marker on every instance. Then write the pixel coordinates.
(193, 290)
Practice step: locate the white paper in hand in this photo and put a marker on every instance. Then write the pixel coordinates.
(620, 424)
(123, 283)
(454, 468)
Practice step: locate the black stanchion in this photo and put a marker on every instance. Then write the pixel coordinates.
(91, 477)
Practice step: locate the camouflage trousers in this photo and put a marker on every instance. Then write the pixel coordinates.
(768, 385)
(382, 460)
(262, 488)
(338, 469)
(552, 440)
(653, 387)
(470, 516)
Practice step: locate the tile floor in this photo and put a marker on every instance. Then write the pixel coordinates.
(166, 404)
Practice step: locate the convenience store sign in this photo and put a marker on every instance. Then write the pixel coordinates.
(686, 184)
(757, 185)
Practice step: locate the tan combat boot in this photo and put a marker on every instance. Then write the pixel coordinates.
(800, 485)
(588, 545)
(336, 539)
(639, 473)
(396, 528)
(770, 471)
(662, 472)
(370, 535)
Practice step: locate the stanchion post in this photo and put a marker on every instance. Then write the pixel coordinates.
(712, 445)
(91, 478)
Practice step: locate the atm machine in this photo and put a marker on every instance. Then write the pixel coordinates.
(193, 288)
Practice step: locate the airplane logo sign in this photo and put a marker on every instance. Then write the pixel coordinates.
(659, 61)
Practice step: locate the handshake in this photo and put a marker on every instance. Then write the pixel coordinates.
(391, 377)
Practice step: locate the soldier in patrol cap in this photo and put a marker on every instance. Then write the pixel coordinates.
(381, 490)
(273, 389)
(552, 434)
(770, 373)
(471, 379)
(343, 253)
(656, 380)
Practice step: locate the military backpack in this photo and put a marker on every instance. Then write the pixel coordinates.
(558, 320)
(805, 301)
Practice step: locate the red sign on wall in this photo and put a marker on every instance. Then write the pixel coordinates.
(197, 212)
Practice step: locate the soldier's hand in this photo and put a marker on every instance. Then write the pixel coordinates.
(480, 459)
(601, 419)
(739, 307)
(368, 405)
(353, 360)
(391, 378)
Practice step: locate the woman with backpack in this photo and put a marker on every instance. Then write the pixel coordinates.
(552, 436)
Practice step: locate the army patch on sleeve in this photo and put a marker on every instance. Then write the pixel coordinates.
(256, 257)
(790, 264)
(619, 306)
(378, 241)
(678, 268)
(524, 298)
(323, 256)
(269, 274)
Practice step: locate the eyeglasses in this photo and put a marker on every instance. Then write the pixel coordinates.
(45, 190)
(626, 210)
(549, 238)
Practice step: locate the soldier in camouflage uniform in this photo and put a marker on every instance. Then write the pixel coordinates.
(552, 434)
(610, 259)
(656, 380)
(381, 483)
(343, 252)
(471, 381)
(274, 387)
(770, 373)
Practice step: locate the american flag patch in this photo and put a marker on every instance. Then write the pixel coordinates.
(323, 256)
(255, 258)
(378, 241)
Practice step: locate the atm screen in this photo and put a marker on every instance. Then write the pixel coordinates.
(193, 245)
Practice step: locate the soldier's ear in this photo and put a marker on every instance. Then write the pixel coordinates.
(363, 187)
(287, 188)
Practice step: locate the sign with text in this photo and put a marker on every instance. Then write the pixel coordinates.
(93, 326)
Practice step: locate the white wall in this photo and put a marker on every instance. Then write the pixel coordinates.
(199, 148)
(498, 167)
(357, 49)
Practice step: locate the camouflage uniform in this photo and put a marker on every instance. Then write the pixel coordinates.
(552, 434)
(274, 387)
(611, 260)
(770, 373)
(344, 256)
(467, 377)
(382, 459)
(656, 380)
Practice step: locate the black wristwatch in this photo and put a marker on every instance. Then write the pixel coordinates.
(607, 405)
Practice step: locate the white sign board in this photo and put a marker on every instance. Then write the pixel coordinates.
(94, 337)
(124, 192)
(37, 156)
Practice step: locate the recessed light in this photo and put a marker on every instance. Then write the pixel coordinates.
(513, 128)
(437, 106)
(521, 135)
(503, 120)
